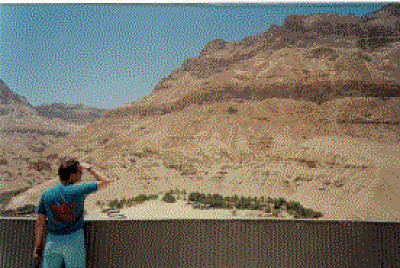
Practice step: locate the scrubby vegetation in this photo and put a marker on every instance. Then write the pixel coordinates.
(262, 204)
(3, 161)
(232, 110)
(118, 204)
(273, 206)
(25, 210)
(169, 198)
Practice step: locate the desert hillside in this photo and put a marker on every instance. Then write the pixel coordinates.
(272, 148)
(308, 111)
(76, 113)
(25, 134)
(317, 57)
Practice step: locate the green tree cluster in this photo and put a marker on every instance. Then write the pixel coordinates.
(278, 202)
(141, 198)
(115, 204)
(169, 198)
(27, 209)
(253, 203)
(298, 211)
(214, 200)
(218, 201)
(232, 110)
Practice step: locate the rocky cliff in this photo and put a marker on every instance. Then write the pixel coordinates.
(77, 113)
(26, 132)
(9, 97)
(317, 57)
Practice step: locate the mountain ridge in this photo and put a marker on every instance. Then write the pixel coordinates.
(25, 135)
(75, 113)
(317, 57)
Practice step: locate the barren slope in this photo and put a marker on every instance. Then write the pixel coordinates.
(306, 111)
(277, 147)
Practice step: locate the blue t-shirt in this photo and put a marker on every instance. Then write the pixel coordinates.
(64, 206)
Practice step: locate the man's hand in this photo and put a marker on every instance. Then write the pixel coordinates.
(85, 165)
(37, 252)
(104, 181)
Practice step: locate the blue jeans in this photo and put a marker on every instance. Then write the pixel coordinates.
(69, 248)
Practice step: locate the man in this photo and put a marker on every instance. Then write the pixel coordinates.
(63, 205)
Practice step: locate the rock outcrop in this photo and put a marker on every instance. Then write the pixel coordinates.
(27, 154)
(317, 57)
(9, 97)
(75, 113)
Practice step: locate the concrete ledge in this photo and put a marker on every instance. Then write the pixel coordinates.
(219, 243)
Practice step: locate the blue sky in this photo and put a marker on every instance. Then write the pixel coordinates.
(108, 55)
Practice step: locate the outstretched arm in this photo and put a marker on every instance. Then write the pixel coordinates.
(103, 180)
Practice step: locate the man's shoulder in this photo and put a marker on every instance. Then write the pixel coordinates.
(86, 186)
(51, 189)
(86, 183)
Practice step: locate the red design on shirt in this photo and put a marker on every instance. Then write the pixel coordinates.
(65, 210)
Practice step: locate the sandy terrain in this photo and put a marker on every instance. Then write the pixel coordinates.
(340, 193)
(158, 210)
(352, 178)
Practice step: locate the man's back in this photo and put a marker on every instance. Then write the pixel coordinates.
(63, 205)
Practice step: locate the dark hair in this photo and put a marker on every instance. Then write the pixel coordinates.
(68, 167)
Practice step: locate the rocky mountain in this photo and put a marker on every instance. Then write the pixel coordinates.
(11, 102)
(25, 134)
(308, 111)
(76, 113)
(9, 97)
(19, 116)
(316, 57)
(381, 27)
